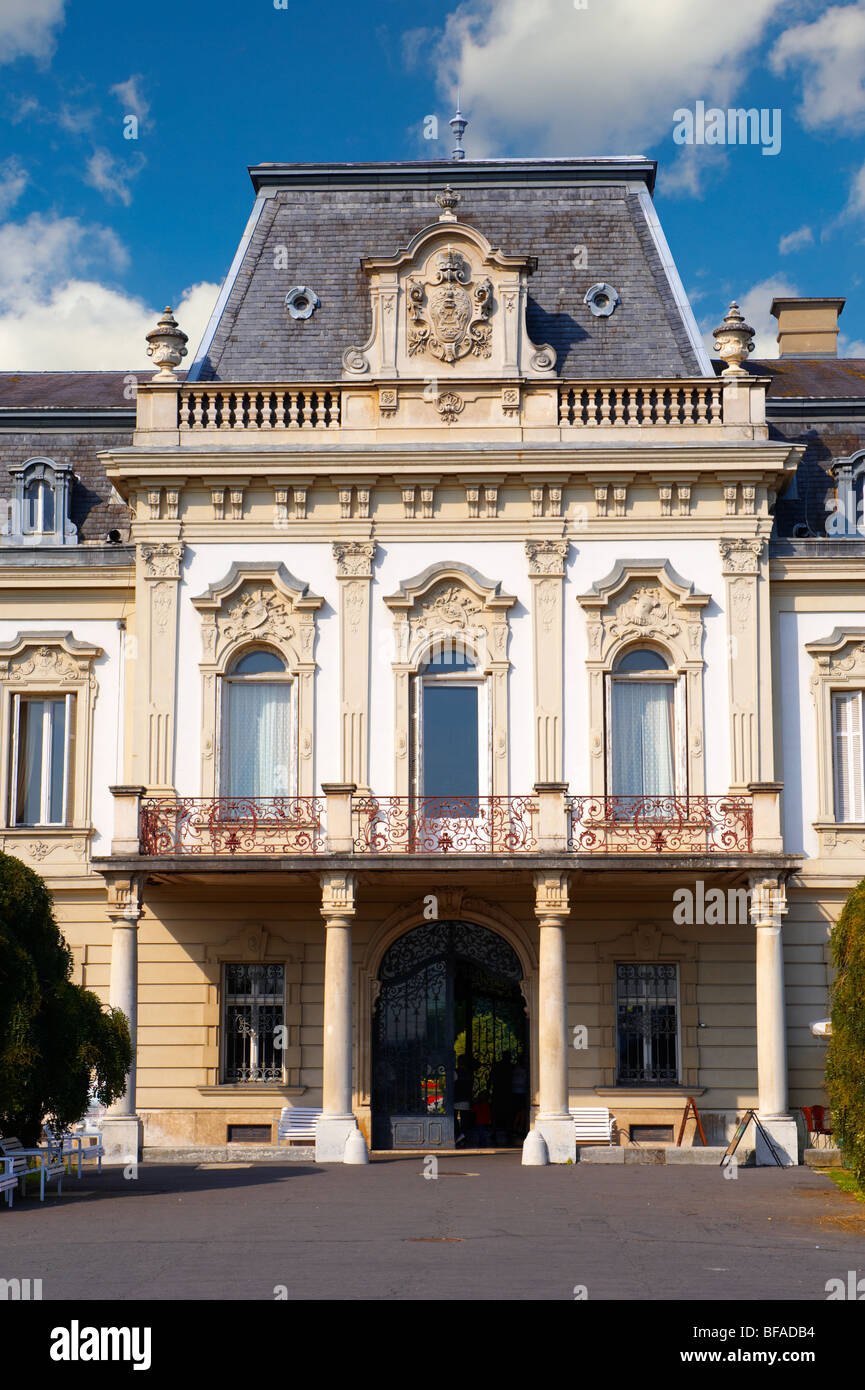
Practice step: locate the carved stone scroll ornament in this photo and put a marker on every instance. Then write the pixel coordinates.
(162, 559)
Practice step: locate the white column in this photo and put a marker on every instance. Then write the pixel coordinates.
(338, 1139)
(552, 1124)
(121, 1128)
(768, 904)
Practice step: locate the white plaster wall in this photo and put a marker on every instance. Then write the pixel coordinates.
(107, 762)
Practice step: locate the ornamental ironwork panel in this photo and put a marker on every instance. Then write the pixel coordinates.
(450, 997)
(647, 1024)
(232, 825)
(254, 1009)
(663, 824)
(444, 824)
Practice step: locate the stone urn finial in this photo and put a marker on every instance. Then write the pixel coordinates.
(734, 340)
(447, 200)
(167, 346)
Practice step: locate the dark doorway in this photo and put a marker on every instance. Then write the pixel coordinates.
(450, 1042)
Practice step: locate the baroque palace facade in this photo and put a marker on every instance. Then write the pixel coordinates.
(447, 693)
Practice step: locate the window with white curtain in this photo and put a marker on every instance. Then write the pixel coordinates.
(39, 506)
(257, 723)
(847, 756)
(42, 748)
(642, 725)
(449, 711)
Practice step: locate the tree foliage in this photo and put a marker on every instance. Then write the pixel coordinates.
(845, 1061)
(55, 1036)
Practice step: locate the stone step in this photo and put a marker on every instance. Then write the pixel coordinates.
(232, 1153)
(823, 1158)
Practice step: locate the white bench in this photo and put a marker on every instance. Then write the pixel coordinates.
(8, 1180)
(297, 1122)
(72, 1145)
(593, 1124)
(50, 1164)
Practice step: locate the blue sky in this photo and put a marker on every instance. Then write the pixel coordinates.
(98, 231)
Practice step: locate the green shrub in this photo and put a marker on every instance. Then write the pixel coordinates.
(845, 1060)
(55, 1036)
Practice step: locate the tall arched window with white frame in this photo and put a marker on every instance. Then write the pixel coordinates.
(258, 727)
(451, 733)
(645, 721)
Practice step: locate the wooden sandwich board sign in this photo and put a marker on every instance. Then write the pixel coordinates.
(691, 1110)
(733, 1145)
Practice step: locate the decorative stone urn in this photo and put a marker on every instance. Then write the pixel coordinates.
(734, 340)
(167, 346)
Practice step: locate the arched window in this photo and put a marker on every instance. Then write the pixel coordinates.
(39, 506)
(450, 722)
(642, 718)
(257, 727)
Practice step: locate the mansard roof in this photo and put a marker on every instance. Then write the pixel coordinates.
(314, 225)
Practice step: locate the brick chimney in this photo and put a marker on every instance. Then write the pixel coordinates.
(807, 327)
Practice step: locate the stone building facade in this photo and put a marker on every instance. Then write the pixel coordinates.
(431, 693)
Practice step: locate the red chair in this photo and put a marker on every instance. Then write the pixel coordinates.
(821, 1120)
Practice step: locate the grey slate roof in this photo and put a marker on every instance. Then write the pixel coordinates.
(320, 224)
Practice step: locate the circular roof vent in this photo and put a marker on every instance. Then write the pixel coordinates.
(602, 300)
(302, 302)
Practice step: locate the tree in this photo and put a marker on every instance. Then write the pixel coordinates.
(55, 1036)
(845, 1059)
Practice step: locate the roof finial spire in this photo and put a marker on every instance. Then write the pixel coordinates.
(458, 124)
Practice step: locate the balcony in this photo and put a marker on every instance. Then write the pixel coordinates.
(547, 822)
(406, 411)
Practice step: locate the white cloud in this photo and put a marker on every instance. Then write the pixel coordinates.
(55, 313)
(27, 29)
(13, 180)
(110, 177)
(794, 241)
(754, 304)
(548, 79)
(131, 98)
(848, 349)
(856, 201)
(829, 55)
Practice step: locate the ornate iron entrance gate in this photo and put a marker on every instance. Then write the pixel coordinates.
(449, 994)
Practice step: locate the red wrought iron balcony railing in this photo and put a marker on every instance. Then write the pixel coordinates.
(388, 825)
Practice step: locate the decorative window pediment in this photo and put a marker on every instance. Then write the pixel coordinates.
(39, 506)
(258, 605)
(449, 304)
(645, 604)
(450, 611)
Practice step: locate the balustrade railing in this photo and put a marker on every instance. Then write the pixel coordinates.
(663, 824)
(638, 405)
(232, 825)
(285, 825)
(261, 408)
(444, 824)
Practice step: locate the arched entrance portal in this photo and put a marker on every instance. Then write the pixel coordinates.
(450, 1041)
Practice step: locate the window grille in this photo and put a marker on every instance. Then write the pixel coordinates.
(254, 1009)
(647, 1024)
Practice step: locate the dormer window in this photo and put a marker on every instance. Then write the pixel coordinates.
(39, 512)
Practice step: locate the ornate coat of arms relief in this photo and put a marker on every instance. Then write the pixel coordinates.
(448, 315)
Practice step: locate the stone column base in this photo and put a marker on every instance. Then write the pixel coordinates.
(121, 1139)
(784, 1134)
(331, 1136)
(559, 1135)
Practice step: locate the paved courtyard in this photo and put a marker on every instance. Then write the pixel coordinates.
(486, 1228)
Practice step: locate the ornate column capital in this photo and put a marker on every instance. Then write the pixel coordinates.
(354, 559)
(547, 558)
(338, 895)
(162, 559)
(125, 898)
(768, 900)
(551, 894)
(740, 555)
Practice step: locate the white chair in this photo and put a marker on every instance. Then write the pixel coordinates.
(50, 1165)
(8, 1179)
(593, 1124)
(72, 1145)
(297, 1122)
